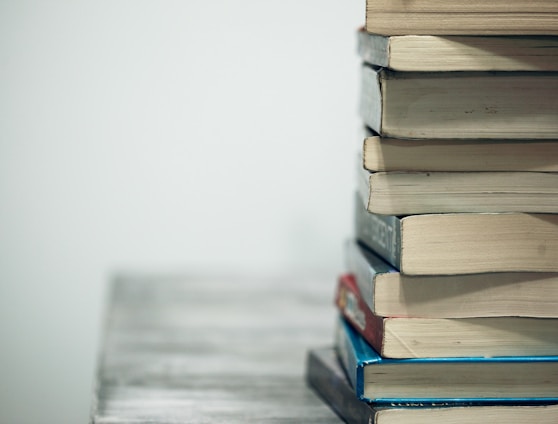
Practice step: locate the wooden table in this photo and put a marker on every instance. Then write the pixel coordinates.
(219, 350)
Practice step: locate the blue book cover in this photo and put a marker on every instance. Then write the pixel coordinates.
(467, 380)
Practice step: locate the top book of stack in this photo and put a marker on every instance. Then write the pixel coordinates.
(473, 17)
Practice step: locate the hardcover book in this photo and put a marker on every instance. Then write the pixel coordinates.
(459, 53)
(401, 337)
(492, 105)
(461, 243)
(477, 17)
(408, 193)
(439, 380)
(389, 293)
(457, 155)
(326, 376)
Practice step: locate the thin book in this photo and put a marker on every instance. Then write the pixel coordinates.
(459, 52)
(421, 192)
(476, 17)
(388, 154)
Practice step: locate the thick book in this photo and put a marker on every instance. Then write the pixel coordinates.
(461, 243)
(477, 17)
(325, 375)
(386, 381)
(386, 154)
(409, 193)
(510, 105)
(401, 337)
(459, 53)
(389, 293)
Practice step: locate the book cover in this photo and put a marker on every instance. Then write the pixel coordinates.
(482, 380)
(324, 374)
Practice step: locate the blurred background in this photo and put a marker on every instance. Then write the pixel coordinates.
(160, 136)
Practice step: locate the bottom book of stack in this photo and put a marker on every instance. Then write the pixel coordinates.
(325, 374)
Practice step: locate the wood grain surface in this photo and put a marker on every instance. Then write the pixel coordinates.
(212, 350)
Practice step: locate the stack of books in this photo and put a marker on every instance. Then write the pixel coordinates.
(448, 311)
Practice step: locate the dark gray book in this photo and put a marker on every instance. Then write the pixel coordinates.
(461, 243)
(325, 375)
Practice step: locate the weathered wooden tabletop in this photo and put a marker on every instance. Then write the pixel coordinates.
(221, 350)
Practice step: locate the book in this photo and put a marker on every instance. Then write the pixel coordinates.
(461, 243)
(458, 155)
(477, 17)
(324, 374)
(414, 192)
(480, 380)
(459, 53)
(402, 337)
(510, 105)
(389, 293)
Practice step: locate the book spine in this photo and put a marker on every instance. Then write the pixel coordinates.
(352, 306)
(380, 233)
(324, 374)
(367, 268)
(371, 98)
(356, 264)
(348, 358)
(373, 49)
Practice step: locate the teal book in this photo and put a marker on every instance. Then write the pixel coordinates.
(431, 381)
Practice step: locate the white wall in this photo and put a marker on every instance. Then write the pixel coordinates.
(160, 135)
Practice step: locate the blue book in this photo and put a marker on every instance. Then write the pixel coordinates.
(466, 380)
